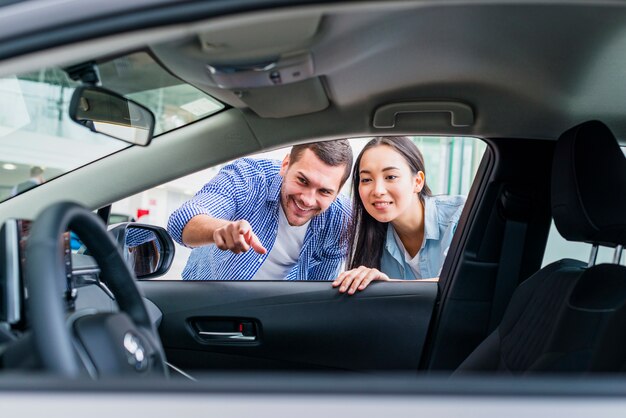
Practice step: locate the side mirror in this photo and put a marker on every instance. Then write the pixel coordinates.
(148, 249)
(109, 113)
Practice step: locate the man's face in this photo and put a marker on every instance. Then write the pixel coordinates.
(309, 187)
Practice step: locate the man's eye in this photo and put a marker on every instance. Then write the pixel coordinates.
(301, 180)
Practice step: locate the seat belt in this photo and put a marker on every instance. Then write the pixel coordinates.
(515, 207)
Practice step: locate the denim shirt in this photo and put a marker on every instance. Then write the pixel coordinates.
(441, 215)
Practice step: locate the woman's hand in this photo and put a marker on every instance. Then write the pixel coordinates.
(358, 279)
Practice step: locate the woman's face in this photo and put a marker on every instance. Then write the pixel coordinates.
(388, 189)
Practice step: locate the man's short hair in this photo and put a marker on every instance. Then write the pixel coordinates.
(333, 153)
(36, 171)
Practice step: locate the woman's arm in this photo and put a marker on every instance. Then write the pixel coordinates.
(359, 278)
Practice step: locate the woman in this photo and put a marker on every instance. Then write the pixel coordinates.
(399, 229)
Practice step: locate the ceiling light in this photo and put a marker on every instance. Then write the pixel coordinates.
(9, 166)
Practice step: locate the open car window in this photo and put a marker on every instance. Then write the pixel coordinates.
(451, 164)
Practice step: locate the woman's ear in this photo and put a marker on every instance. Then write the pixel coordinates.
(420, 179)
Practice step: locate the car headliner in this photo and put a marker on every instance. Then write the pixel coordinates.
(527, 69)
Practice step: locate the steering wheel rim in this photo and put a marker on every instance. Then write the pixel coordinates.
(45, 277)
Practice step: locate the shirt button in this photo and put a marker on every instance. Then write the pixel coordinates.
(260, 260)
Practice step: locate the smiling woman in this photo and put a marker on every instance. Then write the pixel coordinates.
(399, 230)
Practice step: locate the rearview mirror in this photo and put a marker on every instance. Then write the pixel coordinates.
(108, 113)
(148, 249)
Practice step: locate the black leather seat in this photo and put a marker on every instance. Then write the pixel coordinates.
(569, 317)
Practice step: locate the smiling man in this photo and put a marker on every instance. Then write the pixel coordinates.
(267, 220)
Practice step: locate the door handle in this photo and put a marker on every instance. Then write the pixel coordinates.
(230, 336)
(224, 330)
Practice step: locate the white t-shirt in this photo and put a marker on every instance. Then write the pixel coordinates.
(286, 250)
(413, 262)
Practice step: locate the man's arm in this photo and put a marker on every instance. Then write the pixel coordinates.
(199, 230)
(214, 215)
(235, 236)
(219, 200)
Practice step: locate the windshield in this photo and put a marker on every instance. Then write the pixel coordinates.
(173, 102)
(39, 141)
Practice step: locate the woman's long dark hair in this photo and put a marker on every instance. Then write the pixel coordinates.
(366, 234)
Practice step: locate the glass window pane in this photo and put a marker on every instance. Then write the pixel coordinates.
(38, 140)
(173, 102)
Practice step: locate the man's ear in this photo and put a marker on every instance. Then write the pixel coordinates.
(284, 166)
(420, 179)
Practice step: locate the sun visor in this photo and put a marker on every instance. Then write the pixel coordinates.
(271, 35)
(274, 88)
(280, 101)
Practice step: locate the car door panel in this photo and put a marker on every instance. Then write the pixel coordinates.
(295, 325)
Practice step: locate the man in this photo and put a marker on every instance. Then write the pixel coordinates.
(36, 178)
(267, 220)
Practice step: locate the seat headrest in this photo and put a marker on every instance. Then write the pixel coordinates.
(589, 186)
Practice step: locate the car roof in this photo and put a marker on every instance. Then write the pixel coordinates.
(527, 69)
(517, 69)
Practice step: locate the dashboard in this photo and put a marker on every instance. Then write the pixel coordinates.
(14, 234)
(83, 288)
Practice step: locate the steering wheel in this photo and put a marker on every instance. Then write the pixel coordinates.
(104, 343)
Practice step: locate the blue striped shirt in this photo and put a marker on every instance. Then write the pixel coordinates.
(137, 236)
(250, 189)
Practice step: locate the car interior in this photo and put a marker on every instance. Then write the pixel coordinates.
(548, 114)
(565, 317)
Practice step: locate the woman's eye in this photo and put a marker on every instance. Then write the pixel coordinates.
(392, 177)
(365, 180)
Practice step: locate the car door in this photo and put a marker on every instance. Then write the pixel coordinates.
(298, 325)
(292, 325)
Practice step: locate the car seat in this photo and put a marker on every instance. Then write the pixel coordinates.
(570, 316)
